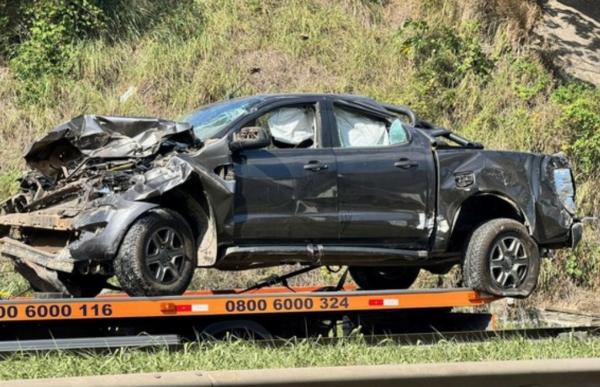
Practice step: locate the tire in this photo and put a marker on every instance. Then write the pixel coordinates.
(157, 256)
(502, 259)
(379, 278)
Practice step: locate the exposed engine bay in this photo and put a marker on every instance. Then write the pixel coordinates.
(79, 171)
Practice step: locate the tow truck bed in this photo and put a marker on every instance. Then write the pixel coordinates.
(264, 313)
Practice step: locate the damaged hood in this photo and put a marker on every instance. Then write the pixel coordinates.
(105, 137)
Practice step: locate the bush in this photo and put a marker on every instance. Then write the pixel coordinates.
(54, 27)
(580, 106)
(443, 57)
(530, 79)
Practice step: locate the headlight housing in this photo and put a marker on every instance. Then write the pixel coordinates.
(565, 188)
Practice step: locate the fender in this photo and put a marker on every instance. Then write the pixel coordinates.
(103, 228)
(500, 196)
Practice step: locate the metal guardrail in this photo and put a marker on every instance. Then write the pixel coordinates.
(89, 343)
(539, 373)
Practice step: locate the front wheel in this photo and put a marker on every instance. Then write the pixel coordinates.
(502, 259)
(157, 256)
(379, 278)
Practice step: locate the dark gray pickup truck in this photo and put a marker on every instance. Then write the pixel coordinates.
(281, 179)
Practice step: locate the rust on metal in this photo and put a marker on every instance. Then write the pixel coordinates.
(15, 249)
(37, 220)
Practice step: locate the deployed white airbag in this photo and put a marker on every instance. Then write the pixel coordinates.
(357, 130)
(292, 125)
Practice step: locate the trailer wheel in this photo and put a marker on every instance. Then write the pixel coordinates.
(502, 259)
(157, 256)
(378, 278)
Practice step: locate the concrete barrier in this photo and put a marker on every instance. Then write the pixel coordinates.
(542, 373)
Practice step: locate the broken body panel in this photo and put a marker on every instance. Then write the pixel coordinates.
(95, 175)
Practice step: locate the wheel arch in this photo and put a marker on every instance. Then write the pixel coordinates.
(189, 201)
(479, 208)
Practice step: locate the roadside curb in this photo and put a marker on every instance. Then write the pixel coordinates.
(567, 372)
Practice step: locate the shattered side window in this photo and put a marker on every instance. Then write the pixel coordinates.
(358, 130)
(212, 119)
(397, 132)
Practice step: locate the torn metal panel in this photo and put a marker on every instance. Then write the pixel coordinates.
(21, 251)
(166, 174)
(208, 245)
(104, 137)
(40, 278)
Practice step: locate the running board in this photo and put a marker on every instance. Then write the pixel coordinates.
(241, 257)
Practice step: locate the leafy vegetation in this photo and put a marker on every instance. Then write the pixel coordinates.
(464, 65)
(247, 355)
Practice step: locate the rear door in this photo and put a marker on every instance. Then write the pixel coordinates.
(386, 179)
(288, 191)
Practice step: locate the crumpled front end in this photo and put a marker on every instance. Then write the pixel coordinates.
(91, 178)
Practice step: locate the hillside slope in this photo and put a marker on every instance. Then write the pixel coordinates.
(471, 66)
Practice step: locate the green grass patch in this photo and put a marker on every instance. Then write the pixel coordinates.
(235, 354)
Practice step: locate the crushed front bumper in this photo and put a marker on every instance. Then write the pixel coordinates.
(15, 250)
(40, 268)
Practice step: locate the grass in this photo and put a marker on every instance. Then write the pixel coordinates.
(246, 355)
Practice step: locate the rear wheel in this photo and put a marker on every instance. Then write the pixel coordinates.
(157, 256)
(502, 259)
(376, 278)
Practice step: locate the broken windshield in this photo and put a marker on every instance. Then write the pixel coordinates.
(209, 120)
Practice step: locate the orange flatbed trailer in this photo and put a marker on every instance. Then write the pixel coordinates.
(47, 321)
(235, 303)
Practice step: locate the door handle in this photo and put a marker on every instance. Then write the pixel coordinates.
(405, 163)
(315, 166)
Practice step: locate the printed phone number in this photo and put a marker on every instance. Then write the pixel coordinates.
(287, 304)
(55, 311)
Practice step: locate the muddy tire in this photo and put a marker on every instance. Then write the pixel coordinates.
(379, 278)
(157, 256)
(502, 259)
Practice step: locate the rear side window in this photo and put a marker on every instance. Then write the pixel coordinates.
(358, 130)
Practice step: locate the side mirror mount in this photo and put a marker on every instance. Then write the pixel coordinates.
(252, 137)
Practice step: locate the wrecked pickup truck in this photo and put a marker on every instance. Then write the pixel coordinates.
(267, 180)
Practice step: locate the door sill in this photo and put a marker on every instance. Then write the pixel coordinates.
(246, 257)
